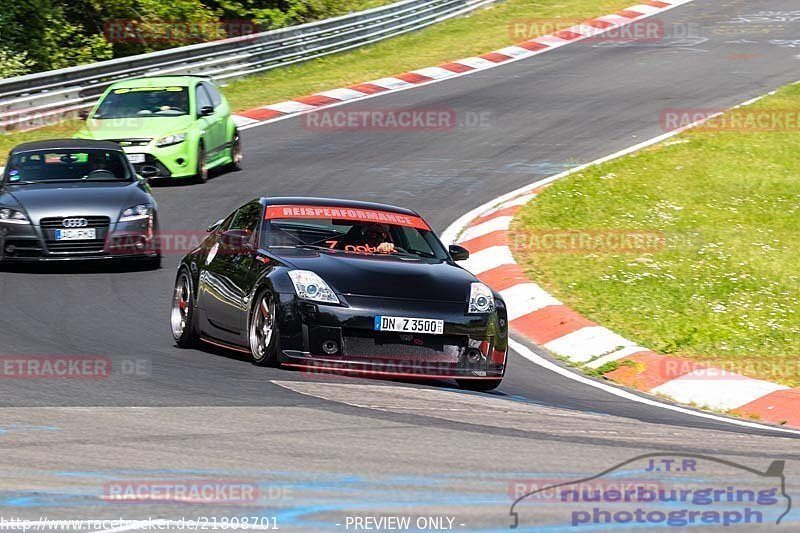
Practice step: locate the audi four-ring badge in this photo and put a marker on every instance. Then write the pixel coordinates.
(75, 199)
(333, 285)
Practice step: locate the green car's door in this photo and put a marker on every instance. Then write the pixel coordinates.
(213, 123)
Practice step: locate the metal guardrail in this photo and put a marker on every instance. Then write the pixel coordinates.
(38, 99)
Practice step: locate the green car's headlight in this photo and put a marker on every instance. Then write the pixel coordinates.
(169, 140)
(137, 212)
(12, 216)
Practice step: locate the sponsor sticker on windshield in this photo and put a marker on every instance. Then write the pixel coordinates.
(344, 213)
(147, 89)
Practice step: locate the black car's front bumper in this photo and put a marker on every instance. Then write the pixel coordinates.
(33, 243)
(471, 347)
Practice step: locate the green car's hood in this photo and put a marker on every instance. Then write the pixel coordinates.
(134, 127)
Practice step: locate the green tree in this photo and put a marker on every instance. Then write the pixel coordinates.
(14, 63)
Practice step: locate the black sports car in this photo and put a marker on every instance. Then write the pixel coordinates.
(75, 199)
(354, 287)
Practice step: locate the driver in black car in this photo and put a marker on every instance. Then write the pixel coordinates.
(370, 237)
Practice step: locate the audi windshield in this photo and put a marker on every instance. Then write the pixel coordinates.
(67, 165)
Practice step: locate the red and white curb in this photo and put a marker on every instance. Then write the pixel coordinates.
(461, 67)
(544, 320)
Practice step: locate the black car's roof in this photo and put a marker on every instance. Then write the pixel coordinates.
(61, 144)
(304, 200)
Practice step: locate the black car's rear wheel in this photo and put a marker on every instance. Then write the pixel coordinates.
(182, 315)
(480, 385)
(263, 330)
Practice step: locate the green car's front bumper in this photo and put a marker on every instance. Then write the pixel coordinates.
(175, 161)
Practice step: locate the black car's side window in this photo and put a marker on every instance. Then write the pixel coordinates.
(202, 98)
(248, 218)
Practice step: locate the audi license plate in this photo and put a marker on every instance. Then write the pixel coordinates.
(83, 234)
(409, 325)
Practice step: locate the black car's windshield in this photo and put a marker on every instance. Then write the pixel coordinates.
(352, 231)
(67, 165)
(144, 102)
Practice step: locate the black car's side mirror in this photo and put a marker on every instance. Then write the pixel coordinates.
(458, 253)
(206, 110)
(236, 240)
(214, 225)
(83, 114)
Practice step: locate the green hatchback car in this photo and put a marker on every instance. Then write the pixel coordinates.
(169, 126)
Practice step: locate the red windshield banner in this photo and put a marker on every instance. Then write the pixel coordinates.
(345, 213)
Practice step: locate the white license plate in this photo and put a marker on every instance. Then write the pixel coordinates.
(136, 158)
(409, 325)
(83, 234)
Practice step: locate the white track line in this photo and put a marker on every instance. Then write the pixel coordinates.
(537, 359)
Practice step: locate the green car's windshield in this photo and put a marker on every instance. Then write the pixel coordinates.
(66, 165)
(144, 102)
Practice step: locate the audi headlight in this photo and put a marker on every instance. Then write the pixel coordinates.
(12, 216)
(169, 140)
(137, 212)
(481, 299)
(309, 286)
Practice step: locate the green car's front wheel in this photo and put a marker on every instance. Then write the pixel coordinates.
(201, 176)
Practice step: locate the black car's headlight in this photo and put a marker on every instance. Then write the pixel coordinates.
(481, 299)
(309, 286)
(137, 212)
(12, 216)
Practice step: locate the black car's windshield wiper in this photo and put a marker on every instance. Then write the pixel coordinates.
(302, 245)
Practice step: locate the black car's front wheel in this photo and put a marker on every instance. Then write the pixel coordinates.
(182, 314)
(263, 330)
(480, 385)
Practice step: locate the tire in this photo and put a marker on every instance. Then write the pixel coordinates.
(201, 176)
(236, 152)
(262, 330)
(182, 322)
(479, 385)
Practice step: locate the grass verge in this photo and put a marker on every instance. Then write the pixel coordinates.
(723, 289)
(480, 32)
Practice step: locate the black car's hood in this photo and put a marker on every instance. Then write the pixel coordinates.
(74, 199)
(386, 277)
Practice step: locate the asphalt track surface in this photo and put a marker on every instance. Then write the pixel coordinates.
(341, 444)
